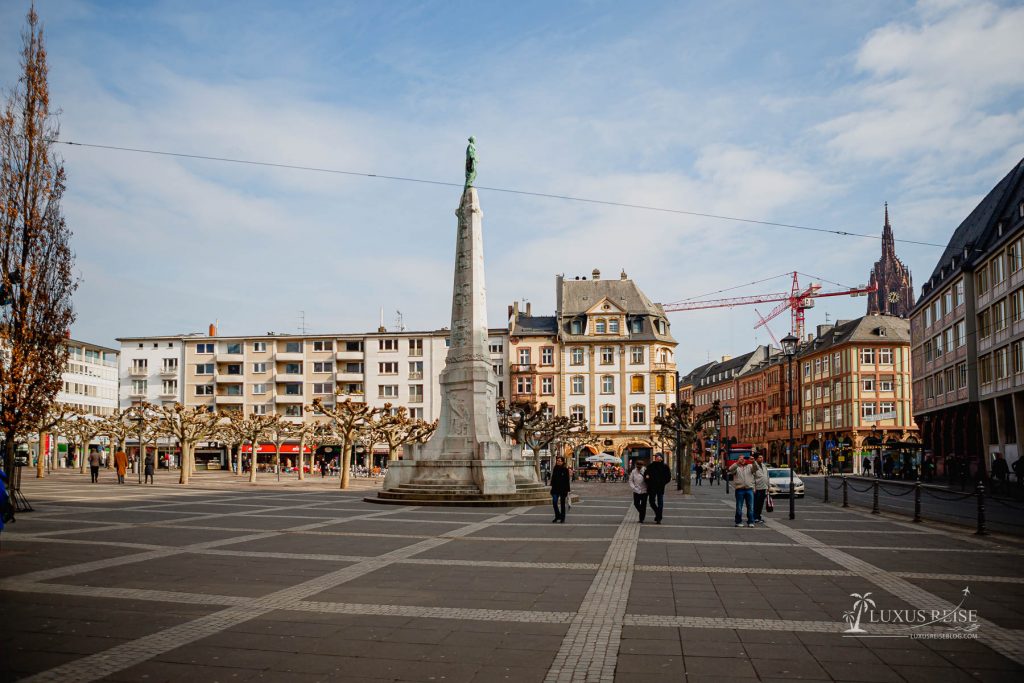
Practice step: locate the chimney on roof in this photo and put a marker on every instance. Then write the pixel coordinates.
(529, 309)
(213, 330)
(596, 274)
(623, 275)
(726, 358)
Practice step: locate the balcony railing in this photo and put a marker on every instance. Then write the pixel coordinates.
(415, 399)
(520, 368)
(138, 371)
(415, 375)
(169, 370)
(662, 367)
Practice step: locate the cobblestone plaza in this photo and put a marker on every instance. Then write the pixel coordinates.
(124, 583)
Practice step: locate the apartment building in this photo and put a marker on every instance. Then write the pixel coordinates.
(855, 393)
(718, 382)
(967, 331)
(535, 359)
(617, 360)
(90, 379)
(150, 370)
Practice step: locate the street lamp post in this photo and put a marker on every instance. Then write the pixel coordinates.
(138, 465)
(789, 343)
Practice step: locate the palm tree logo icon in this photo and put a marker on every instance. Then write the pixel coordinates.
(861, 604)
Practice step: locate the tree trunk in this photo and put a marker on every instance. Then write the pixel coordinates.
(302, 457)
(40, 464)
(687, 466)
(81, 456)
(252, 463)
(345, 462)
(277, 459)
(186, 467)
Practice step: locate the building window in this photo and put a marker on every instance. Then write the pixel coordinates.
(937, 347)
(928, 316)
(1002, 362)
(547, 386)
(638, 414)
(323, 388)
(985, 370)
(524, 385)
(837, 416)
(293, 389)
(204, 369)
(885, 383)
(416, 393)
(981, 281)
(576, 384)
(324, 345)
(387, 368)
(387, 391)
(607, 384)
(524, 356)
(885, 356)
(354, 368)
(867, 356)
(576, 356)
(961, 375)
(613, 326)
(939, 390)
(260, 409)
(817, 366)
(259, 347)
(293, 368)
(496, 347)
(836, 362)
(961, 333)
(599, 326)
(577, 413)
(416, 347)
(636, 354)
(293, 411)
(636, 384)
(259, 388)
(323, 367)
(607, 415)
(950, 380)
(170, 387)
(868, 409)
(1013, 256)
(204, 390)
(259, 368)
(985, 323)
(636, 325)
(607, 355)
(807, 370)
(948, 340)
(416, 413)
(138, 387)
(576, 327)
(387, 344)
(416, 369)
(998, 270)
(547, 355)
(293, 347)
(354, 346)
(999, 317)
(947, 301)
(204, 348)
(233, 348)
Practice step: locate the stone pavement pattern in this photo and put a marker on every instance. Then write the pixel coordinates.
(130, 583)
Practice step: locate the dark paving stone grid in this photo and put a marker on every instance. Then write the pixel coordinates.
(296, 585)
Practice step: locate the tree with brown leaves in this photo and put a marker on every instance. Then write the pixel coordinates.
(255, 429)
(348, 418)
(84, 428)
(36, 280)
(53, 420)
(395, 429)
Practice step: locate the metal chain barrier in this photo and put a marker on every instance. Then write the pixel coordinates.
(954, 497)
(1012, 504)
(897, 495)
(982, 531)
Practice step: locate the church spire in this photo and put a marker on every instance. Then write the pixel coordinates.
(888, 241)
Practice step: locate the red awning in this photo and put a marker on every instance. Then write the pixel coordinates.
(269, 448)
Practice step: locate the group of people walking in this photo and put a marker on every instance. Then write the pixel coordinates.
(647, 482)
(120, 465)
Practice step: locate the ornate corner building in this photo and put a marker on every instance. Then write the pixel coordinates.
(895, 287)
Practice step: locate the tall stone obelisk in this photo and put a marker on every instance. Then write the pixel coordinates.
(467, 450)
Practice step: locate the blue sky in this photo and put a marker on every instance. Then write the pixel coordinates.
(796, 112)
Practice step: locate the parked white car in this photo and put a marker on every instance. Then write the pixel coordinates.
(778, 482)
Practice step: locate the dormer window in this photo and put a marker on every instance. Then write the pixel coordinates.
(576, 327)
(599, 326)
(636, 325)
(613, 326)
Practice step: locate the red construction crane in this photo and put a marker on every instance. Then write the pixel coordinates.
(768, 329)
(797, 301)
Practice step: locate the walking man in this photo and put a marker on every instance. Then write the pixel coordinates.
(94, 466)
(148, 470)
(760, 487)
(743, 484)
(639, 486)
(559, 489)
(699, 469)
(657, 477)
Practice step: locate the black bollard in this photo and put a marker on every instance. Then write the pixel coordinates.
(982, 531)
(826, 488)
(874, 504)
(917, 502)
(846, 495)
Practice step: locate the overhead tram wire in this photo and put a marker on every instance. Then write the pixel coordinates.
(729, 289)
(545, 195)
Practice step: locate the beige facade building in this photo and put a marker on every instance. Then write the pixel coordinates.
(606, 356)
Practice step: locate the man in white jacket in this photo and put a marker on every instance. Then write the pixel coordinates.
(639, 486)
(743, 483)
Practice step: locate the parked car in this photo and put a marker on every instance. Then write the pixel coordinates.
(778, 482)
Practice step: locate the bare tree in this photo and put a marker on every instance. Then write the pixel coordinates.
(395, 429)
(254, 429)
(680, 427)
(84, 429)
(306, 432)
(579, 436)
(55, 417)
(229, 432)
(187, 426)
(544, 431)
(278, 431)
(116, 428)
(36, 281)
(144, 423)
(349, 418)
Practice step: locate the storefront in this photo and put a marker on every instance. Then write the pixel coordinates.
(266, 456)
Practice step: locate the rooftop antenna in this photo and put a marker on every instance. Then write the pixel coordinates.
(381, 328)
(302, 322)
(399, 324)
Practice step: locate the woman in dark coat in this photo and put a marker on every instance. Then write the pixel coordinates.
(559, 488)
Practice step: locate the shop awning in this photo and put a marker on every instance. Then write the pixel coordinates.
(269, 448)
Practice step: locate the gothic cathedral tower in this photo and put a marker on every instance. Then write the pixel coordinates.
(895, 294)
